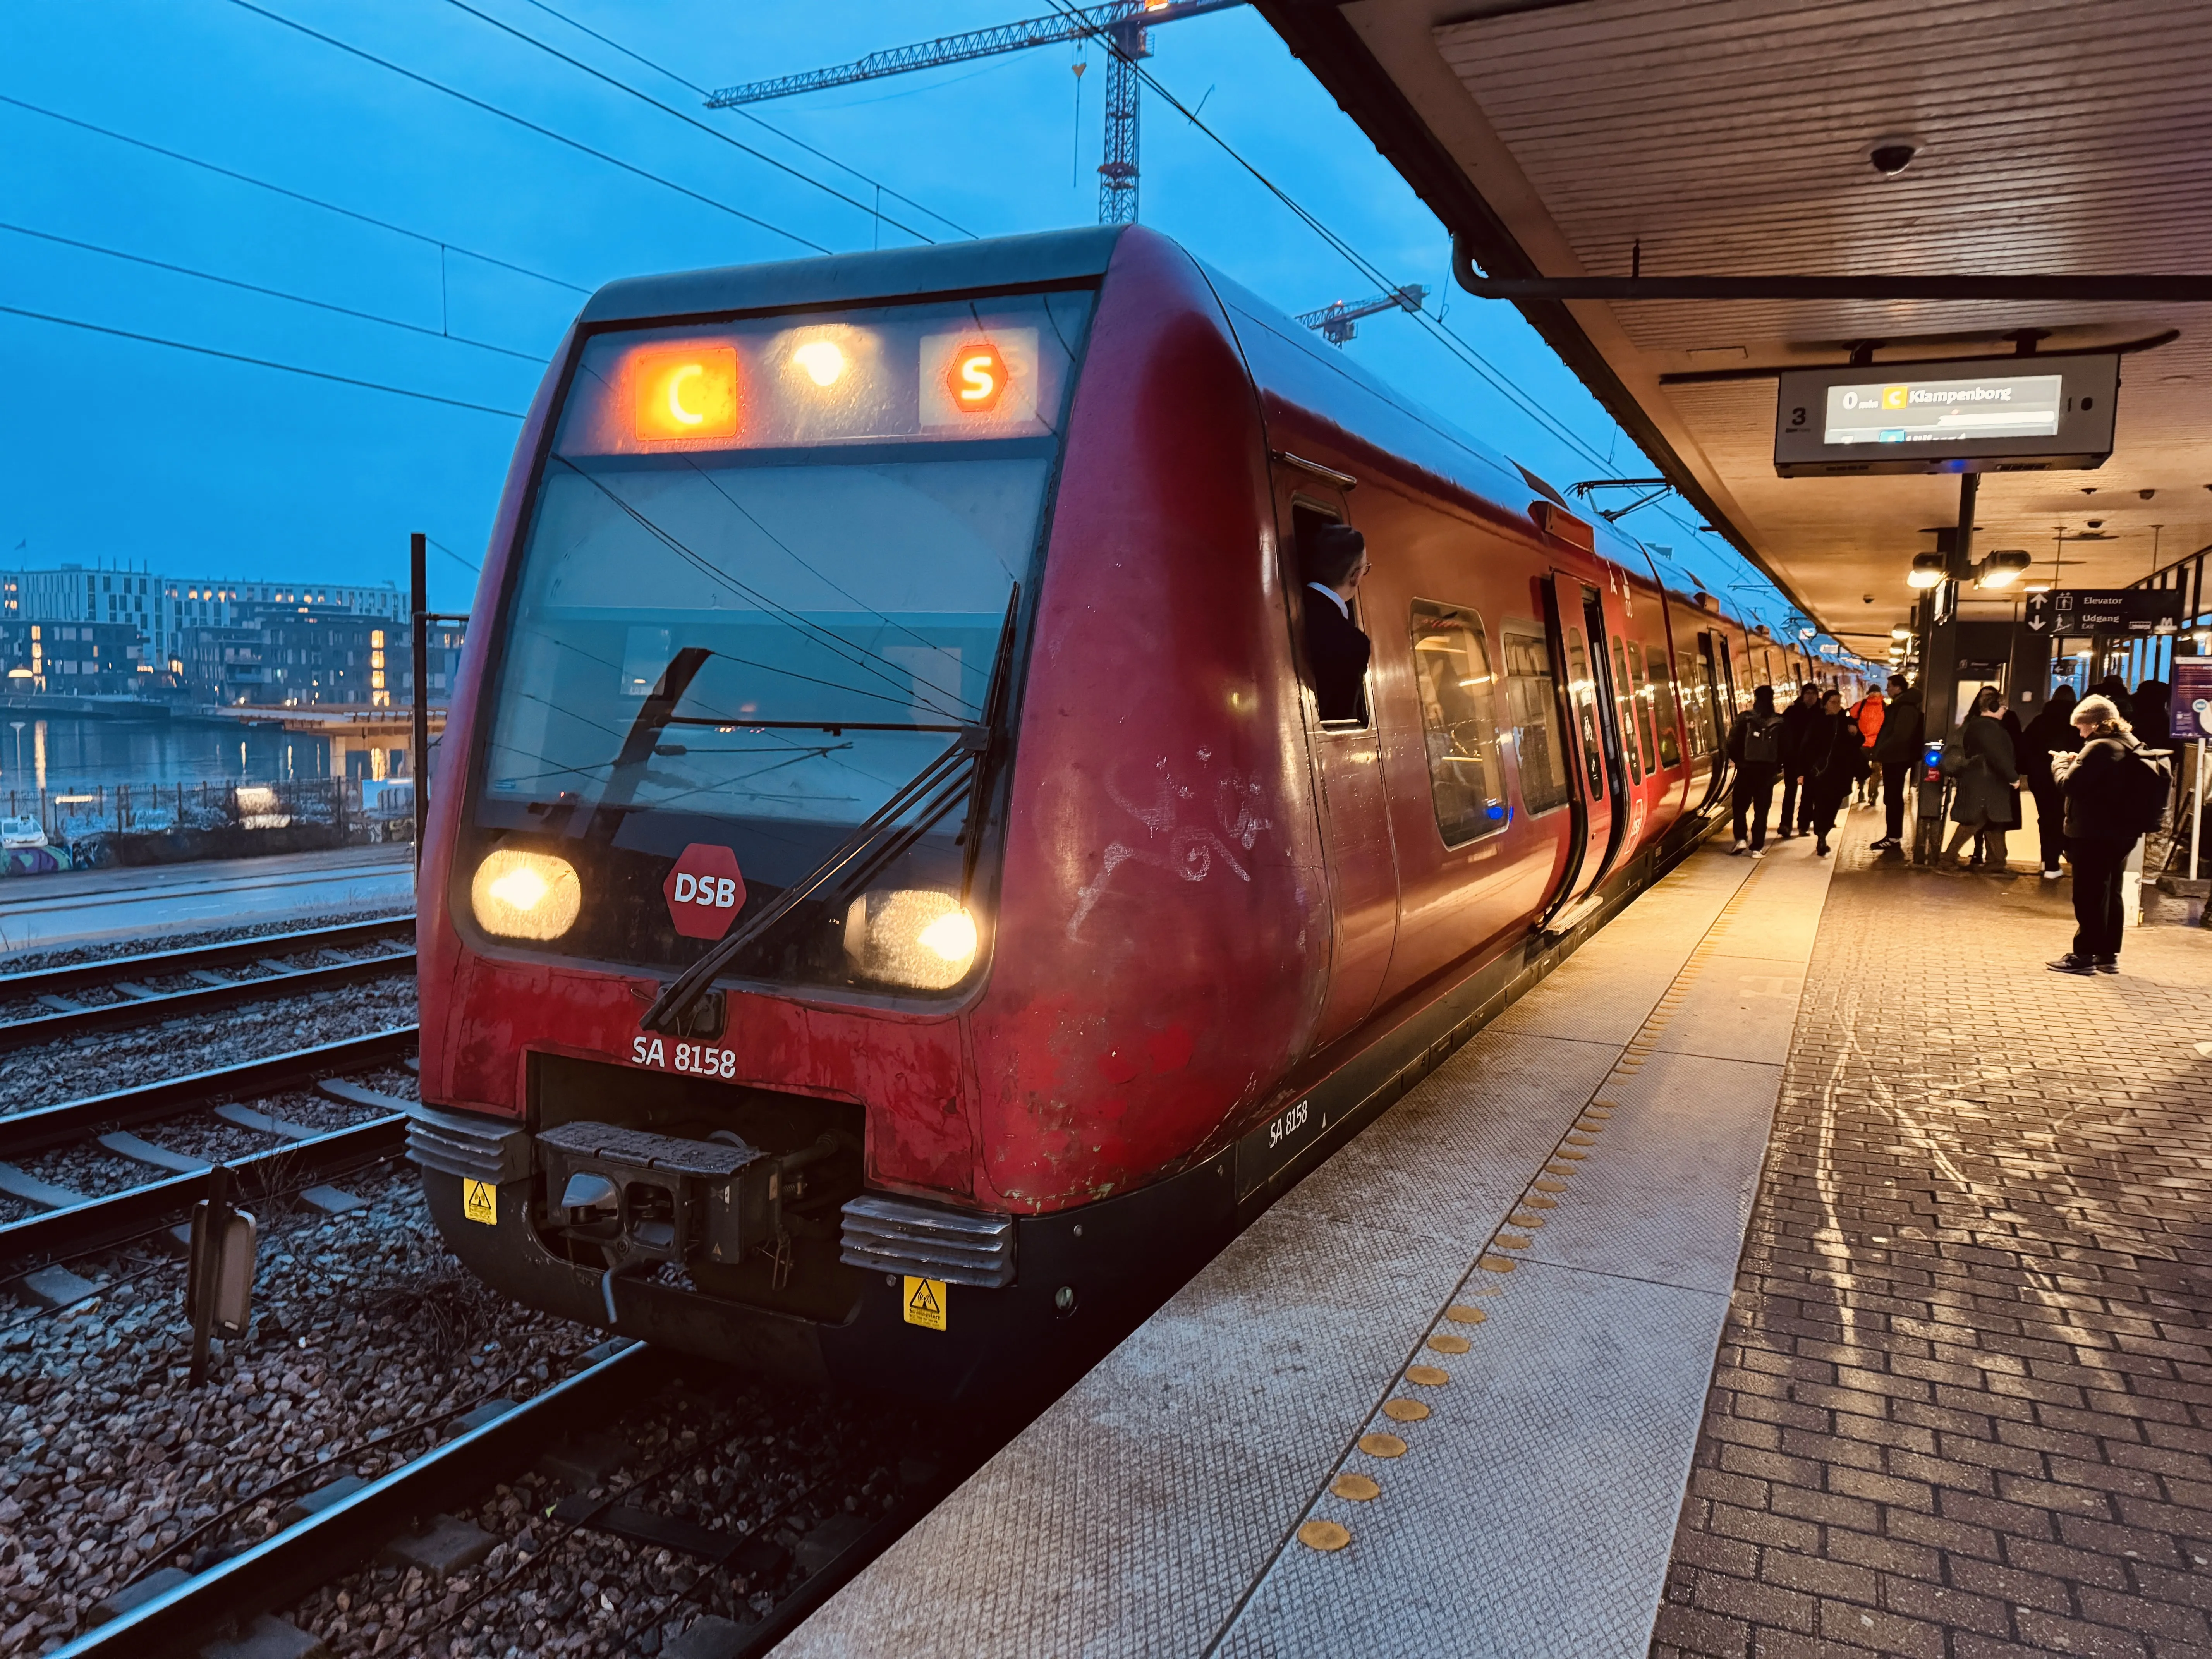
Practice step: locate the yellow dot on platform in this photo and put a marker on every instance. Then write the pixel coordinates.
(1522, 1218)
(1569, 1153)
(1404, 1411)
(1428, 1377)
(1460, 1314)
(1358, 1487)
(1549, 1186)
(1510, 1241)
(1323, 1535)
(1496, 1264)
(1445, 1342)
(1381, 1445)
(1536, 1201)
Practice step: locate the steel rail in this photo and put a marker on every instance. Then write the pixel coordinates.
(281, 1569)
(179, 1005)
(100, 1222)
(25, 1133)
(153, 964)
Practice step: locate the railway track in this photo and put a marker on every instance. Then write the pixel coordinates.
(69, 1223)
(353, 1529)
(61, 992)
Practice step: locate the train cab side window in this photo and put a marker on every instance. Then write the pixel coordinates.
(1662, 707)
(1452, 677)
(1532, 707)
(1336, 648)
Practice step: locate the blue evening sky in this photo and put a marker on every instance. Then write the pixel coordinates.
(112, 450)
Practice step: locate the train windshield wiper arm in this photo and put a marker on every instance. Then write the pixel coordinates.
(956, 775)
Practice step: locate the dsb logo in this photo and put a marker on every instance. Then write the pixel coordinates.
(704, 891)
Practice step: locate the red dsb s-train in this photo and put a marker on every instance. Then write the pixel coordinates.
(892, 911)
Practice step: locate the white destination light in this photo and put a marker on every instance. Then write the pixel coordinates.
(1924, 411)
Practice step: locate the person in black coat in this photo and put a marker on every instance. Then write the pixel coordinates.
(2097, 837)
(1797, 814)
(1337, 652)
(1831, 754)
(2049, 732)
(1982, 805)
(1754, 743)
(1897, 751)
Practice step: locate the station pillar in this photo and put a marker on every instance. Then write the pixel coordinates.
(1939, 659)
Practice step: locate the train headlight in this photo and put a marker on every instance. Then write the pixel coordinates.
(520, 895)
(910, 936)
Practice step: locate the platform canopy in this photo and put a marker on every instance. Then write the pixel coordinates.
(1736, 138)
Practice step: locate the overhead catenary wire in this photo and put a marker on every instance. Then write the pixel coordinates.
(296, 195)
(613, 44)
(270, 293)
(523, 122)
(689, 119)
(258, 362)
(1449, 338)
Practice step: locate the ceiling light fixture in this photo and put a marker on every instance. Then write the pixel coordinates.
(1928, 569)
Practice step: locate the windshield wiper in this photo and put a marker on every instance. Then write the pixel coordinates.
(960, 773)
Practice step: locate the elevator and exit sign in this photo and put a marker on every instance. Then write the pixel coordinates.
(2104, 611)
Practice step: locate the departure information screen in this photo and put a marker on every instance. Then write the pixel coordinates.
(1962, 414)
(1928, 412)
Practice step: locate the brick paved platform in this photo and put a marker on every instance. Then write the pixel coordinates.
(1963, 1404)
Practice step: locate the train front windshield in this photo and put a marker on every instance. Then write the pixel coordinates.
(767, 572)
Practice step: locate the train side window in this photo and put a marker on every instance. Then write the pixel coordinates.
(1452, 677)
(1696, 704)
(1662, 707)
(1584, 691)
(1305, 519)
(1624, 693)
(1532, 707)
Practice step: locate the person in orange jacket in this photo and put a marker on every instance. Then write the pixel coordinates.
(1868, 711)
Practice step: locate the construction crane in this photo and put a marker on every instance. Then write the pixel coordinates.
(1337, 320)
(1123, 25)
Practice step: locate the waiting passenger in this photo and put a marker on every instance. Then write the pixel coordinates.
(1754, 743)
(2114, 790)
(1834, 759)
(1867, 712)
(1336, 651)
(1897, 751)
(1986, 769)
(1796, 814)
(2050, 733)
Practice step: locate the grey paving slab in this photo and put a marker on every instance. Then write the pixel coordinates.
(1737, 1008)
(1669, 1186)
(1449, 1159)
(1129, 1518)
(1526, 1517)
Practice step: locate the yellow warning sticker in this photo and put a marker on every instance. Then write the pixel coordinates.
(480, 1201)
(925, 1303)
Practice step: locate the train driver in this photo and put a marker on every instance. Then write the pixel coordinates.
(1336, 650)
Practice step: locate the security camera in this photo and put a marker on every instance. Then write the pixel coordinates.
(2096, 524)
(1866, 598)
(2145, 495)
(1891, 156)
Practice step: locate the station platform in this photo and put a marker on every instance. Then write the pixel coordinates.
(1507, 1376)
(94, 907)
(1445, 1396)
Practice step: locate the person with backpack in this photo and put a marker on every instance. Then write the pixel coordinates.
(2116, 792)
(1754, 743)
(1981, 758)
(1897, 751)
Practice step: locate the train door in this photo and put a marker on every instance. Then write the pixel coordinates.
(1577, 615)
(1719, 702)
(1363, 869)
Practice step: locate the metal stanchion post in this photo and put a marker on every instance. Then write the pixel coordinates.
(418, 553)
